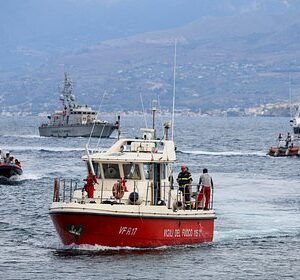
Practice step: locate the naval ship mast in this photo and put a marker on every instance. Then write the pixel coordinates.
(67, 97)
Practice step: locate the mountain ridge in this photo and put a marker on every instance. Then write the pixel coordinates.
(223, 61)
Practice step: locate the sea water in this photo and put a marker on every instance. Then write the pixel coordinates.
(256, 198)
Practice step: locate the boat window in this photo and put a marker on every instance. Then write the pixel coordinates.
(163, 171)
(97, 169)
(297, 130)
(148, 171)
(111, 171)
(132, 171)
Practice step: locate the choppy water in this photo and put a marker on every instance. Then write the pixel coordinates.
(257, 201)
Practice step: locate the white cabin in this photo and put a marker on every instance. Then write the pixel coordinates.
(145, 164)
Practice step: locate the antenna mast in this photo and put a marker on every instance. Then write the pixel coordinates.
(174, 89)
(290, 94)
(98, 112)
(154, 103)
(143, 109)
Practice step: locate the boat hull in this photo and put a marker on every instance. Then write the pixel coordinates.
(103, 130)
(285, 152)
(9, 170)
(127, 231)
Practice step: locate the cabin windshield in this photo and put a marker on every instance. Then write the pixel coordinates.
(148, 171)
(297, 130)
(97, 169)
(163, 172)
(131, 171)
(111, 171)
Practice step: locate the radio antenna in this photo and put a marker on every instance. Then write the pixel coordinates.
(174, 89)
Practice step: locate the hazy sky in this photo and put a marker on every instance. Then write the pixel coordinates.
(40, 27)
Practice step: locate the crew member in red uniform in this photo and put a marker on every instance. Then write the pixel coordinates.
(123, 183)
(89, 186)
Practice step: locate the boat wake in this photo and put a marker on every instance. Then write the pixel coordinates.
(252, 236)
(97, 250)
(59, 149)
(19, 180)
(31, 176)
(29, 136)
(12, 181)
(74, 250)
(43, 149)
(227, 153)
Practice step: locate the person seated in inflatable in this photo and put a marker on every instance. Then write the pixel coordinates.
(17, 163)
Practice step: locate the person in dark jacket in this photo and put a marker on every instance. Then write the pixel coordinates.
(288, 140)
(6, 158)
(184, 181)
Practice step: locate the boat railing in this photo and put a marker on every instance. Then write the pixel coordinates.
(160, 194)
(156, 194)
(192, 192)
(63, 189)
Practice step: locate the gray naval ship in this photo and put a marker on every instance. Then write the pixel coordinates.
(75, 120)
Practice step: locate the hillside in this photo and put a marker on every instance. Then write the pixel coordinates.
(239, 60)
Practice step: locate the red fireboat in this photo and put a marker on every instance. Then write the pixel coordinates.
(134, 202)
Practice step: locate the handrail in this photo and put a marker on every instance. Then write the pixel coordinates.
(64, 190)
(62, 187)
(147, 191)
(144, 140)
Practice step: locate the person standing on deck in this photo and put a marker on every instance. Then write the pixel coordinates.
(89, 186)
(288, 140)
(6, 158)
(281, 142)
(184, 181)
(206, 184)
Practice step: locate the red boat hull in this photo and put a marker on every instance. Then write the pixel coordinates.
(285, 152)
(9, 170)
(128, 231)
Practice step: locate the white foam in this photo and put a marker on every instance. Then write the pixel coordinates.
(242, 234)
(99, 248)
(227, 153)
(44, 148)
(23, 136)
(30, 176)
